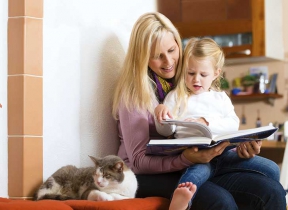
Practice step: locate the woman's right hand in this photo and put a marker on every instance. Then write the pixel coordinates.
(205, 155)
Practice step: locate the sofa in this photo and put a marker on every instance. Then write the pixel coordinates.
(149, 203)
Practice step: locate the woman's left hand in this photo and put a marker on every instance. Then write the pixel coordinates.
(249, 149)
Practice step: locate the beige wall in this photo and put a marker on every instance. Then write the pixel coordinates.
(285, 28)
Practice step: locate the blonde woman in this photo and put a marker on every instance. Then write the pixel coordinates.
(150, 70)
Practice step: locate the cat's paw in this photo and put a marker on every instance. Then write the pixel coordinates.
(96, 195)
(118, 196)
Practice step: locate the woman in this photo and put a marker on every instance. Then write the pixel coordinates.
(152, 68)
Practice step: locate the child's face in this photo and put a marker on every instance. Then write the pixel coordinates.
(200, 75)
(165, 65)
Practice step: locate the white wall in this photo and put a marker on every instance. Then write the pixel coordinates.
(3, 99)
(274, 29)
(285, 28)
(84, 46)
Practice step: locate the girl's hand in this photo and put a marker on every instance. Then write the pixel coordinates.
(161, 112)
(249, 149)
(205, 155)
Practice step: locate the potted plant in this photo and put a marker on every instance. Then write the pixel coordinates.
(248, 81)
(224, 84)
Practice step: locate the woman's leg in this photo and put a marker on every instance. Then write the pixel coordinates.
(211, 196)
(253, 190)
(230, 162)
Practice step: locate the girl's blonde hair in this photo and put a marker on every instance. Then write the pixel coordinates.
(199, 49)
(135, 89)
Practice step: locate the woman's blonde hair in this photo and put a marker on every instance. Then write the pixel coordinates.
(199, 49)
(135, 89)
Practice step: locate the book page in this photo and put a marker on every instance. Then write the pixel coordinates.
(182, 141)
(254, 133)
(205, 130)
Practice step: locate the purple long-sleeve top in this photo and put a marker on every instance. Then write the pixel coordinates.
(135, 130)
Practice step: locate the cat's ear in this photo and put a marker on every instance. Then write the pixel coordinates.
(119, 167)
(95, 160)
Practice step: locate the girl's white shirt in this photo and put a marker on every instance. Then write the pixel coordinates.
(215, 107)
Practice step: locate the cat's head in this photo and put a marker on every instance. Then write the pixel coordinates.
(108, 170)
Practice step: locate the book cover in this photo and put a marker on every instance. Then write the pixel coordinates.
(176, 146)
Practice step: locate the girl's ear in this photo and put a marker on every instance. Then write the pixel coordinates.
(217, 73)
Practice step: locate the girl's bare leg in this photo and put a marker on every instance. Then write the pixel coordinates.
(182, 195)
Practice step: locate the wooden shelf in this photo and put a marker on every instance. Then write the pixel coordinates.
(273, 150)
(269, 97)
(255, 96)
(273, 144)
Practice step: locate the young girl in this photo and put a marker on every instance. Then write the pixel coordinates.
(198, 98)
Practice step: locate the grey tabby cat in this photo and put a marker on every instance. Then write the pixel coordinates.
(110, 179)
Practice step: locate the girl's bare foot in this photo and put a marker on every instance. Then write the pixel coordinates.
(182, 195)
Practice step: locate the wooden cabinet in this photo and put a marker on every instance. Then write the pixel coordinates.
(208, 17)
(261, 18)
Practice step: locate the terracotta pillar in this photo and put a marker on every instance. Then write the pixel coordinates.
(25, 97)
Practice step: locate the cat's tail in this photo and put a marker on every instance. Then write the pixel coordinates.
(54, 197)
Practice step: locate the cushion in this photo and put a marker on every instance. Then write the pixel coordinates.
(8, 204)
(149, 203)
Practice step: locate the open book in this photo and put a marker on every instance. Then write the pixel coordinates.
(207, 140)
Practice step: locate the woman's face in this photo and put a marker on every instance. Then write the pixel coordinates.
(166, 63)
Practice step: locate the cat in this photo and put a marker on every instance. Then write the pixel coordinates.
(110, 179)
